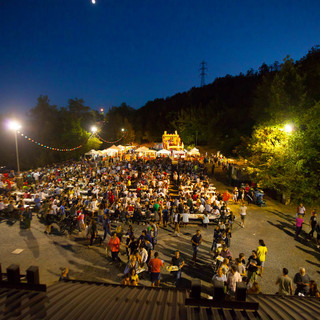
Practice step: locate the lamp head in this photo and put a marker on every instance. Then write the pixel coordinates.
(14, 125)
(288, 128)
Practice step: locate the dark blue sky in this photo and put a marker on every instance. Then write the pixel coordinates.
(139, 50)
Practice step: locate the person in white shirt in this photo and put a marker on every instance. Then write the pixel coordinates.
(208, 207)
(232, 278)
(243, 213)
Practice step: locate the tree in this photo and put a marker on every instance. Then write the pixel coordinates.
(273, 162)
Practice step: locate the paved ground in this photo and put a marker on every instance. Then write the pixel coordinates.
(273, 223)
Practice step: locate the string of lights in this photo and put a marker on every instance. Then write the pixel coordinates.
(48, 147)
(115, 141)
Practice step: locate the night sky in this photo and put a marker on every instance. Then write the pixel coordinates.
(137, 50)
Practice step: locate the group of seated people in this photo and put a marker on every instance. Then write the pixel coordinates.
(130, 191)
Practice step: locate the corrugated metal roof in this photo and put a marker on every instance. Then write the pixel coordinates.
(78, 300)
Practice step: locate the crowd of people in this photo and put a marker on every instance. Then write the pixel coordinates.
(109, 193)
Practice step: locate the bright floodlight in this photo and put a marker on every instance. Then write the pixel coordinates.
(122, 129)
(288, 128)
(93, 1)
(14, 125)
(94, 129)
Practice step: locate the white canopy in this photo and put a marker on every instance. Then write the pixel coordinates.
(178, 152)
(142, 149)
(92, 152)
(115, 148)
(194, 152)
(121, 147)
(164, 151)
(110, 151)
(150, 151)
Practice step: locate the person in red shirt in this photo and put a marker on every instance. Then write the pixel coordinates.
(155, 265)
(225, 197)
(114, 245)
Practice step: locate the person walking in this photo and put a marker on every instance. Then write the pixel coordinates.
(243, 213)
(261, 253)
(301, 210)
(196, 241)
(299, 222)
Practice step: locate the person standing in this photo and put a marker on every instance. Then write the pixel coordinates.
(93, 231)
(226, 197)
(253, 266)
(114, 245)
(302, 280)
(106, 226)
(49, 220)
(313, 223)
(205, 220)
(27, 217)
(177, 261)
(220, 276)
(243, 213)
(318, 234)
(177, 223)
(196, 241)
(285, 283)
(155, 265)
(261, 253)
(232, 278)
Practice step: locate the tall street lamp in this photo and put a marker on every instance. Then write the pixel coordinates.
(15, 126)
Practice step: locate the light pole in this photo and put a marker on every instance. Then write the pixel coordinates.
(13, 125)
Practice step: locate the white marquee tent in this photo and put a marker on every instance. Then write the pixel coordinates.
(91, 153)
(113, 150)
(163, 152)
(194, 152)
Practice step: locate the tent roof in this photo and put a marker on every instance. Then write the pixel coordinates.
(150, 151)
(142, 149)
(164, 151)
(179, 151)
(92, 151)
(114, 148)
(194, 151)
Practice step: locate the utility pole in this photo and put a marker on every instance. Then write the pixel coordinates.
(203, 72)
